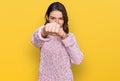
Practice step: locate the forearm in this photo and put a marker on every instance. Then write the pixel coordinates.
(75, 54)
(73, 50)
(37, 38)
(44, 33)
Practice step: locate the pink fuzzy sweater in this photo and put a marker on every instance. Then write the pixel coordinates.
(57, 55)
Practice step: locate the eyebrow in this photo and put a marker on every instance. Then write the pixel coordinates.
(55, 17)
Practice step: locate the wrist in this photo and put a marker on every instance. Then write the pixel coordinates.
(43, 33)
(64, 36)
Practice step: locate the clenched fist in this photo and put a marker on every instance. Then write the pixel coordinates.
(53, 29)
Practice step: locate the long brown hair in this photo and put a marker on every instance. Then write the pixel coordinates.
(60, 7)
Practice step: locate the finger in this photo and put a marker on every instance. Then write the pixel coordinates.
(56, 30)
(58, 25)
(46, 28)
(53, 28)
(59, 32)
(50, 28)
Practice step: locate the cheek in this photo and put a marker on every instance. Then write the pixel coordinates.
(50, 20)
(61, 22)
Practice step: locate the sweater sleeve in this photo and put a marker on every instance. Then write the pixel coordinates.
(72, 48)
(37, 39)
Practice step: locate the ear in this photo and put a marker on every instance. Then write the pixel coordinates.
(46, 17)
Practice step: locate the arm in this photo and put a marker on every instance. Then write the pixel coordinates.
(37, 38)
(72, 48)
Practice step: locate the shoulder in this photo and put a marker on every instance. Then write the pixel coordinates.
(71, 34)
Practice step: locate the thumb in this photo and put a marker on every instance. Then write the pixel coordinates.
(61, 32)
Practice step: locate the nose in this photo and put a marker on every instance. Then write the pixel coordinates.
(57, 21)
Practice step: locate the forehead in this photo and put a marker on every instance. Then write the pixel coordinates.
(56, 14)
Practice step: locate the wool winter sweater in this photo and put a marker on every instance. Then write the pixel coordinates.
(56, 56)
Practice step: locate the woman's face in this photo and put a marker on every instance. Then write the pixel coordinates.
(56, 16)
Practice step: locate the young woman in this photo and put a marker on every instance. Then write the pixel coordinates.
(58, 46)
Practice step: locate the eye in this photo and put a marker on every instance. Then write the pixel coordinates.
(61, 18)
(52, 18)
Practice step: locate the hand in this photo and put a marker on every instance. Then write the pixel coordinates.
(62, 34)
(53, 28)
